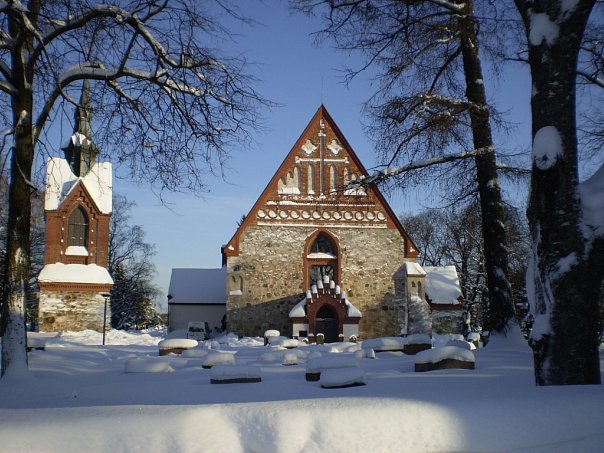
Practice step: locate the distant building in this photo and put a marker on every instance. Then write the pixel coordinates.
(78, 204)
(197, 295)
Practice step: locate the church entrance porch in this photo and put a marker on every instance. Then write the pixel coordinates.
(326, 311)
(326, 323)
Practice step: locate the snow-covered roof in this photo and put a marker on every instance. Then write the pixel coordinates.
(353, 312)
(75, 273)
(442, 285)
(413, 268)
(60, 180)
(298, 310)
(198, 286)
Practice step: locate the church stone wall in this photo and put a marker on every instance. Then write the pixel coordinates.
(72, 311)
(270, 265)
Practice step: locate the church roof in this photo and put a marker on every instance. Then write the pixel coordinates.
(198, 286)
(309, 188)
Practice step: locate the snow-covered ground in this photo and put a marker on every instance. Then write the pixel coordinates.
(79, 398)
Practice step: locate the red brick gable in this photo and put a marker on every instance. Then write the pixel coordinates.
(57, 222)
(308, 188)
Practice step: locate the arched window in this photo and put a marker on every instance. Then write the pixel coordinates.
(322, 260)
(78, 228)
(323, 244)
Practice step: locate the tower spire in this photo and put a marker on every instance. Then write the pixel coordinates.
(81, 152)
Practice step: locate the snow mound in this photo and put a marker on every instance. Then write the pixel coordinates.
(222, 372)
(290, 358)
(196, 353)
(324, 363)
(461, 344)
(283, 342)
(218, 358)
(148, 365)
(384, 344)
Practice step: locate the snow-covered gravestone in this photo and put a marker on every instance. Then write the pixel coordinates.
(290, 358)
(175, 345)
(444, 358)
(316, 366)
(343, 377)
(269, 334)
(383, 344)
(417, 342)
(234, 374)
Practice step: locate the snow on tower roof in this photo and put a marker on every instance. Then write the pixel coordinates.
(442, 285)
(198, 286)
(60, 180)
(75, 273)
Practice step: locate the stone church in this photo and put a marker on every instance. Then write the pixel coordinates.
(74, 282)
(314, 255)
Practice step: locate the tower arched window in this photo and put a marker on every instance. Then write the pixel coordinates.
(78, 228)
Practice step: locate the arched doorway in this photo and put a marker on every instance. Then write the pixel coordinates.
(326, 322)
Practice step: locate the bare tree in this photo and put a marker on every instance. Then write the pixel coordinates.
(567, 265)
(454, 236)
(168, 104)
(129, 264)
(431, 99)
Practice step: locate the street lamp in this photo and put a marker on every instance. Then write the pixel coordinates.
(106, 296)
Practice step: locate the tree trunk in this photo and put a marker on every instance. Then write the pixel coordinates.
(14, 338)
(565, 273)
(500, 311)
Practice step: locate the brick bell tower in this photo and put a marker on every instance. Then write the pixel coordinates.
(77, 208)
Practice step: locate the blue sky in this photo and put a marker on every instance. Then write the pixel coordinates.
(299, 76)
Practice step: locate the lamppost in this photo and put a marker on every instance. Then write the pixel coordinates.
(106, 296)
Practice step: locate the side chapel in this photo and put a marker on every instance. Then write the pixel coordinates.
(313, 256)
(74, 282)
